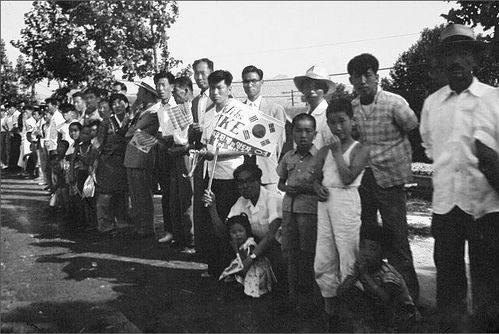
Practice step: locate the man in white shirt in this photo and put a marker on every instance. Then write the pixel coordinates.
(464, 204)
(92, 97)
(51, 137)
(176, 190)
(252, 84)
(202, 69)
(315, 85)
(79, 104)
(223, 186)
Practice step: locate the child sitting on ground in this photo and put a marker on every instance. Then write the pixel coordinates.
(339, 169)
(383, 303)
(257, 281)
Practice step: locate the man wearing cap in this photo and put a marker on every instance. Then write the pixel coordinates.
(252, 84)
(384, 120)
(465, 206)
(139, 158)
(315, 85)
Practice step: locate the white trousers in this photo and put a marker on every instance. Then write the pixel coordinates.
(338, 229)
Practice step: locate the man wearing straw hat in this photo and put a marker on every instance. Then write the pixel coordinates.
(139, 158)
(384, 120)
(465, 206)
(315, 85)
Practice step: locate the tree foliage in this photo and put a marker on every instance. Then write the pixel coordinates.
(10, 84)
(85, 41)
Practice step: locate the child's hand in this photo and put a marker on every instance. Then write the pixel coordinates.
(335, 144)
(322, 192)
(209, 198)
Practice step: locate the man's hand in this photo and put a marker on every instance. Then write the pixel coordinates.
(209, 198)
(322, 192)
(204, 153)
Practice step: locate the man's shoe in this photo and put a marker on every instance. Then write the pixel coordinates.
(167, 238)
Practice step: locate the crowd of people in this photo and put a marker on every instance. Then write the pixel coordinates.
(304, 220)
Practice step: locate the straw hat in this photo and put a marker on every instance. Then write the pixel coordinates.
(316, 72)
(148, 84)
(458, 36)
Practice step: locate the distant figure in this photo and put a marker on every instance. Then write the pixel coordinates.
(118, 88)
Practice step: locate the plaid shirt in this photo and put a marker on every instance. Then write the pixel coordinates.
(384, 130)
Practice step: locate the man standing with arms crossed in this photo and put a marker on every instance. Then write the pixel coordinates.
(465, 206)
(252, 84)
(384, 120)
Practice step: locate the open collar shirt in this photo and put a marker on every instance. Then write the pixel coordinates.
(166, 125)
(267, 209)
(384, 129)
(448, 123)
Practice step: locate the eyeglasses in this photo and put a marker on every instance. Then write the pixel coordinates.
(252, 81)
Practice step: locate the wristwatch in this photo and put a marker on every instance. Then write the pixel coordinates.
(253, 256)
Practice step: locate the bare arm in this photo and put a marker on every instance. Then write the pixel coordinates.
(359, 160)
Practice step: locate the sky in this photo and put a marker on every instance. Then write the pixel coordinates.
(282, 37)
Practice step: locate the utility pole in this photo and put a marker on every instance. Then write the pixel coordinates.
(292, 96)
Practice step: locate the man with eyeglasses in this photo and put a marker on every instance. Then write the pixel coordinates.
(384, 120)
(252, 84)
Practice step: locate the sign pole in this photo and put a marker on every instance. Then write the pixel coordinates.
(215, 158)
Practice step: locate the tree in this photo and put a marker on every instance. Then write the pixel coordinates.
(9, 91)
(84, 41)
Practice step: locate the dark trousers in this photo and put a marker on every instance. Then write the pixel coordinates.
(15, 150)
(5, 147)
(162, 174)
(180, 201)
(141, 197)
(391, 203)
(219, 251)
(111, 210)
(450, 231)
(200, 215)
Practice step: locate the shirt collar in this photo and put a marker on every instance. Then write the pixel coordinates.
(171, 103)
(261, 198)
(473, 89)
(320, 109)
(313, 151)
(257, 102)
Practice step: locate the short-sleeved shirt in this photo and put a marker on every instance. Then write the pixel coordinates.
(166, 125)
(447, 127)
(299, 170)
(383, 127)
(267, 209)
(387, 275)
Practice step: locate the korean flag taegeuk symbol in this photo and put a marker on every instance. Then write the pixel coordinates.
(241, 128)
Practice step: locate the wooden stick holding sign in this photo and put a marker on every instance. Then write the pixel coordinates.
(210, 181)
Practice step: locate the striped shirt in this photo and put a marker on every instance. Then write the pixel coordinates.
(383, 127)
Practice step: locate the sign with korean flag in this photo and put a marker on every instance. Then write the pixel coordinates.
(244, 129)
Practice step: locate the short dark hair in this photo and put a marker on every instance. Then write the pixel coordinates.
(184, 82)
(66, 107)
(95, 91)
(29, 107)
(219, 75)
(52, 100)
(117, 96)
(242, 220)
(164, 74)
(121, 84)
(255, 171)
(251, 69)
(362, 63)
(63, 143)
(94, 122)
(203, 60)
(77, 94)
(340, 104)
(303, 116)
(104, 100)
(77, 124)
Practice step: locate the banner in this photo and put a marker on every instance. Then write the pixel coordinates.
(242, 128)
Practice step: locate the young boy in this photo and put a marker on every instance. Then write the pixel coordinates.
(384, 303)
(299, 226)
(339, 168)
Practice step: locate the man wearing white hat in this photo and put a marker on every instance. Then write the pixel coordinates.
(139, 158)
(315, 85)
(465, 206)
(384, 121)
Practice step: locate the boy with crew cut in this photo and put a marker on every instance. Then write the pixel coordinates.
(299, 227)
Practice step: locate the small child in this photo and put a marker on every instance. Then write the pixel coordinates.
(257, 281)
(299, 218)
(61, 194)
(384, 303)
(339, 168)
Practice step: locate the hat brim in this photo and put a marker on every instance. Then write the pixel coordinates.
(300, 80)
(473, 45)
(146, 87)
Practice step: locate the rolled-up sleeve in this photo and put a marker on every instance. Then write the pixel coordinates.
(486, 125)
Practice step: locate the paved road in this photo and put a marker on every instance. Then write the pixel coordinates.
(55, 280)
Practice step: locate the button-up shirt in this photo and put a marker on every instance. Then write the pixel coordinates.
(447, 127)
(166, 125)
(56, 121)
(267, 209)
(299, 170)
(323, 132)
(384, 128)
(255, 104)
